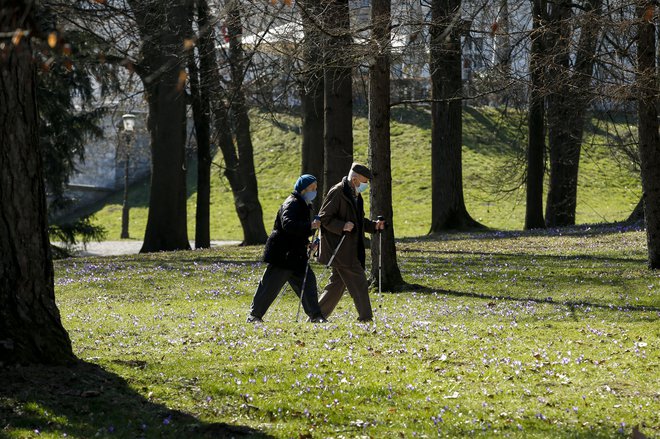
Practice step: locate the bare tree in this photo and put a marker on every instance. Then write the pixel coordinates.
(163, 27)
(649, 139)
(448, 204)
(568, 99)
(250, 212)
(312, 93)
(30, 326)
(380, 194)
(338, 93)
(536, 122)
(201, 106)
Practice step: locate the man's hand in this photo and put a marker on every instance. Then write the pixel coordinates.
(313, 246)
(316, 224)
(380, 225)
(348, 227)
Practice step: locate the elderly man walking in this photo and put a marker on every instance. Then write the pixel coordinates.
(286, 254)
(342, 216)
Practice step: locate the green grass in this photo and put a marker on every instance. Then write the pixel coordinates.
(506, 334)
(493, 146)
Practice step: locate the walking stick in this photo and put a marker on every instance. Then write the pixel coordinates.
(332, 258)
(309, 253)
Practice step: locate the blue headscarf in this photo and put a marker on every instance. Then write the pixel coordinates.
(303, 181)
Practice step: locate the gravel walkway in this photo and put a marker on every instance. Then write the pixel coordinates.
(115, 248)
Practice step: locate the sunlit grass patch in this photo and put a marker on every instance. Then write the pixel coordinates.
(493, 159)
(548, 334)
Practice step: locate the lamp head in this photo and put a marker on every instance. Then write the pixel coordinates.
(129, 122)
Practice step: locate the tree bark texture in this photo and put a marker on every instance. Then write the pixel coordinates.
(338, 94)
(568, 100)
(163, 26)
(30, 327)
(649, 140)
(380, 192)
(312, 95)
(222, 126)
(536, 124)
(201, 107)
(448, 205)
(503, 40)
(249, 210)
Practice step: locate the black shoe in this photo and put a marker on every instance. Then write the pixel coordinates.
(254, 319)
(317, 318)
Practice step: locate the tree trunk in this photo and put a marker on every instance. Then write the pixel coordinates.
(380, 193)
(536, 125)
(222, 124)
(250, 214)
(338, 94)
(503, 40)
(566, 112)
(563, 152)
(30, 327)
(199, 91)
(649, 140)
(448, 205)
(312, 96)
(163, 27)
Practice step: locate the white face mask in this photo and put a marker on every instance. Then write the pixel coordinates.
(362, 187)
(309, 196)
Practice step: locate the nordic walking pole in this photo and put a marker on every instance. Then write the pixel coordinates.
(302, 290)
(380, 256)
(279, 296)
(309, 254)
(332, 258)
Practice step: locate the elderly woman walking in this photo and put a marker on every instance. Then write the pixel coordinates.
(286, 253)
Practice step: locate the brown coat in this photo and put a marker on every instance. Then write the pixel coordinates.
(338, 208)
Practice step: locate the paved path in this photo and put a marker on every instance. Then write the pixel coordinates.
(115, 248)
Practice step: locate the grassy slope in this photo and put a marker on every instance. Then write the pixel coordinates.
(527, 335)
(607, 191)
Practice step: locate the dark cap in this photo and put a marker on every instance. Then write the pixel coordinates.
(362, 170)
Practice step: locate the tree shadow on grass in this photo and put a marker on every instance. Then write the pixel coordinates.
(85, 400)
(582, 230)
(570, 304)
(538, 256)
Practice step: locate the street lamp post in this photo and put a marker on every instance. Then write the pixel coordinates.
(129, 128)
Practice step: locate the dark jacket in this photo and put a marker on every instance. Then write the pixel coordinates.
(340, 206)
(286, 246)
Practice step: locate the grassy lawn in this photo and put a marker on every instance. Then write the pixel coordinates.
(506, 334)
(494, 146)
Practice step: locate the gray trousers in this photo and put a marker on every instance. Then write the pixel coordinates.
(353, 279)
(272, 282)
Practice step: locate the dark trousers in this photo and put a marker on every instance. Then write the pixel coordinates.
(272, 282)
(355, 281)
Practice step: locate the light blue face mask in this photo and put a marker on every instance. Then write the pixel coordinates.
(362, 187)
(309, 196)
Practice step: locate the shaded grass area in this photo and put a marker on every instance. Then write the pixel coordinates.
(493, 160)
(518, 334)
(87, 400)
